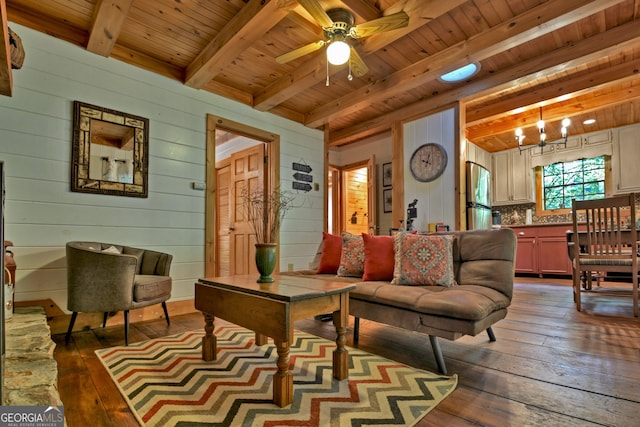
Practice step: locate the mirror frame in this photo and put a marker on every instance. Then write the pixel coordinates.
(83, 114)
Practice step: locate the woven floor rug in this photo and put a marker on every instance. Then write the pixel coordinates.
(166, 383)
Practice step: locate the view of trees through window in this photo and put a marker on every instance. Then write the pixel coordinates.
(580, 179)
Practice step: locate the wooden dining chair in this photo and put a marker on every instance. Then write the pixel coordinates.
(605, 240)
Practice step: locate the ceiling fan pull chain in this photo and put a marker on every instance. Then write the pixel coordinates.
(350, 76)
(327, 82)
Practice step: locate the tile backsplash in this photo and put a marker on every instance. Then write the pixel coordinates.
(516, 214)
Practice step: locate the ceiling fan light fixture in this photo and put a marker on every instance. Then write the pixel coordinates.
(338, 52)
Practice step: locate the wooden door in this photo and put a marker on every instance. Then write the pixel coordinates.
(223, 221)
(334, 222)
(271, 171)
(354, 198)
(372, 200)
(246, 175)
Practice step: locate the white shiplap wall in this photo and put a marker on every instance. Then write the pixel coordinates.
(436, 199)
(42, 214)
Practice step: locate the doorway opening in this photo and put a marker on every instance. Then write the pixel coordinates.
(356, 203)
(239, 157)
(352, 198)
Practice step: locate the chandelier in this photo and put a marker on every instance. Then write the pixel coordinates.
(543, 136)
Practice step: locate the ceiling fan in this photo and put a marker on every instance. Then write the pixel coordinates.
(338, 26)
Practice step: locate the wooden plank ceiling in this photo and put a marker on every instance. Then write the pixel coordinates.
(575, 58)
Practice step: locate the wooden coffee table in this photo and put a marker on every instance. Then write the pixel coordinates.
(270, 309)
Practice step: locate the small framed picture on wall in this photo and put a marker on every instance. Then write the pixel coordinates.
(386, 199)
(386, 174)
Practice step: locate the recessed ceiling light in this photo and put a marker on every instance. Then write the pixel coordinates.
(461, 73)
(589, 121)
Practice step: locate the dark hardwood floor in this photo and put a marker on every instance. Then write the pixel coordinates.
(550, 365)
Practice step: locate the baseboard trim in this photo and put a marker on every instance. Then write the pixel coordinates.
(58, 320)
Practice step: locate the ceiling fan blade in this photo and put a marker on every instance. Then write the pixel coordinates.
(358, 67)
(317, 12)
(380, 25)
(299, 52)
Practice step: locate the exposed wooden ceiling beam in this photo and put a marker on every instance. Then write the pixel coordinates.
(246, 98)
(363, 9)
(256, 18)
(146, 62)
(55, 29)
(421, 12)
(313, 71)
(523, 28)
(484, 118)
(575, 55)
(586, 102)
(108, 20)
(228, 92)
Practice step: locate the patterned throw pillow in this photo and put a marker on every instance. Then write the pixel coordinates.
(352, 258)
(422, 259)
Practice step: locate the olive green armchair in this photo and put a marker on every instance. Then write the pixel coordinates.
(102, 277)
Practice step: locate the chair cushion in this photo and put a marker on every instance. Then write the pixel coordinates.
(606, 261)
(149, 287)
(468, 302)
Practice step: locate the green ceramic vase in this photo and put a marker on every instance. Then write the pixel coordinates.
(265, 261)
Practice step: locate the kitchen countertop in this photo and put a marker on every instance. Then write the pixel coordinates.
(539, 224)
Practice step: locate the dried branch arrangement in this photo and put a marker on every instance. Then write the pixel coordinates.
(265, 212)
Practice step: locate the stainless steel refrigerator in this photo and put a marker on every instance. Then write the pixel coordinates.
(478, 196)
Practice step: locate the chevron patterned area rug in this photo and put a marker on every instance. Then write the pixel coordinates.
(166, 383)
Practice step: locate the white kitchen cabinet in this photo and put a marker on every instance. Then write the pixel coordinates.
(625, 170)
(550, 150)
(511, 177)
(596, 138)
(478, 155)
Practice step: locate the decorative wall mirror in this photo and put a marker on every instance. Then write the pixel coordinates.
(110, 152)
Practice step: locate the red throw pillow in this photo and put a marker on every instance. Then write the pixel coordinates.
(378, 257)
(331, 252)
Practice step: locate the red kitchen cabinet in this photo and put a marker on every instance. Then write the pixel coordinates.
(542, 250)
(526, 259)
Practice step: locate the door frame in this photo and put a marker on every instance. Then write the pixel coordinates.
(272, 178)
(339, 208)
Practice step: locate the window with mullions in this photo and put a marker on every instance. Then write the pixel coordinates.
(580, 179)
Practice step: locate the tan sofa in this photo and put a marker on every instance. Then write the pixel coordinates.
(484, 272)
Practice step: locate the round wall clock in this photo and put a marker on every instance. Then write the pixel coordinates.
(428, 162)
